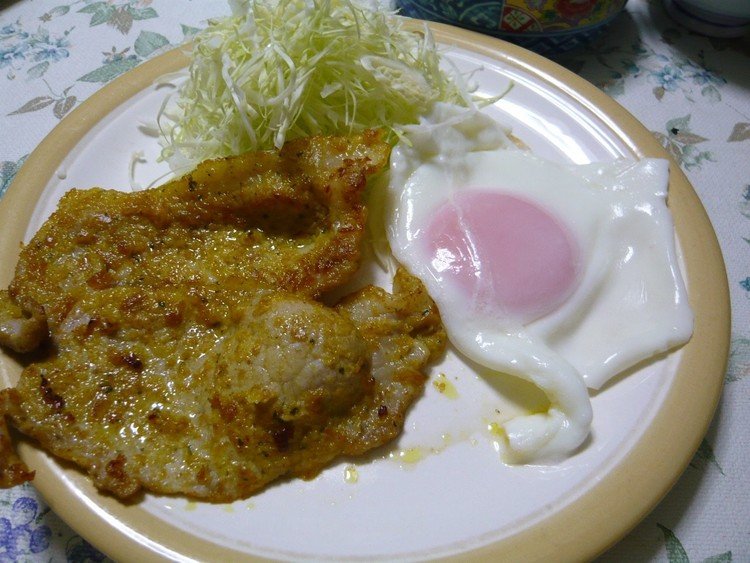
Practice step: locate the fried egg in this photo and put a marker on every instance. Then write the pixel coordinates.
(563, 275)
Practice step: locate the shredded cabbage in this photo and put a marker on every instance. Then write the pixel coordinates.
(280, 69)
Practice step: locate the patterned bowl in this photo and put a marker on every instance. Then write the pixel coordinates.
(544, 26)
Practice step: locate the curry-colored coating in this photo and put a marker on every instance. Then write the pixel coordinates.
(12, 470)
(20, 330)
(290, 219)
(189, 354)
(214, 395)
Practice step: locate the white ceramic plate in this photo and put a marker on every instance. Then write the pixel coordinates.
(442, 489)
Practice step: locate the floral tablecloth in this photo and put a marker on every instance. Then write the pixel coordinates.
(692, 92)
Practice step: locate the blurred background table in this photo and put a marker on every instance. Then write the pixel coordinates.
(691, 92)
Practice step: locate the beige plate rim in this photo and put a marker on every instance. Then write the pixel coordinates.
(583, 528)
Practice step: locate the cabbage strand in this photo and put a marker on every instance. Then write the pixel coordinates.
(278, 70)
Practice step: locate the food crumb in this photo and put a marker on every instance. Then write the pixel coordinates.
(351, 475)
(445, 387)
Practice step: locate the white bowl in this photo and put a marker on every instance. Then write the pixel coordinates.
(715, 18)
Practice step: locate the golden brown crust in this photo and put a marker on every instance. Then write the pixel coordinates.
(291, 220)
(217, 408)
(12, 470)
(190, 355)
(20, 330)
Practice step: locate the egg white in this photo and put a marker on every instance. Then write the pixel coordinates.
(628, 303)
